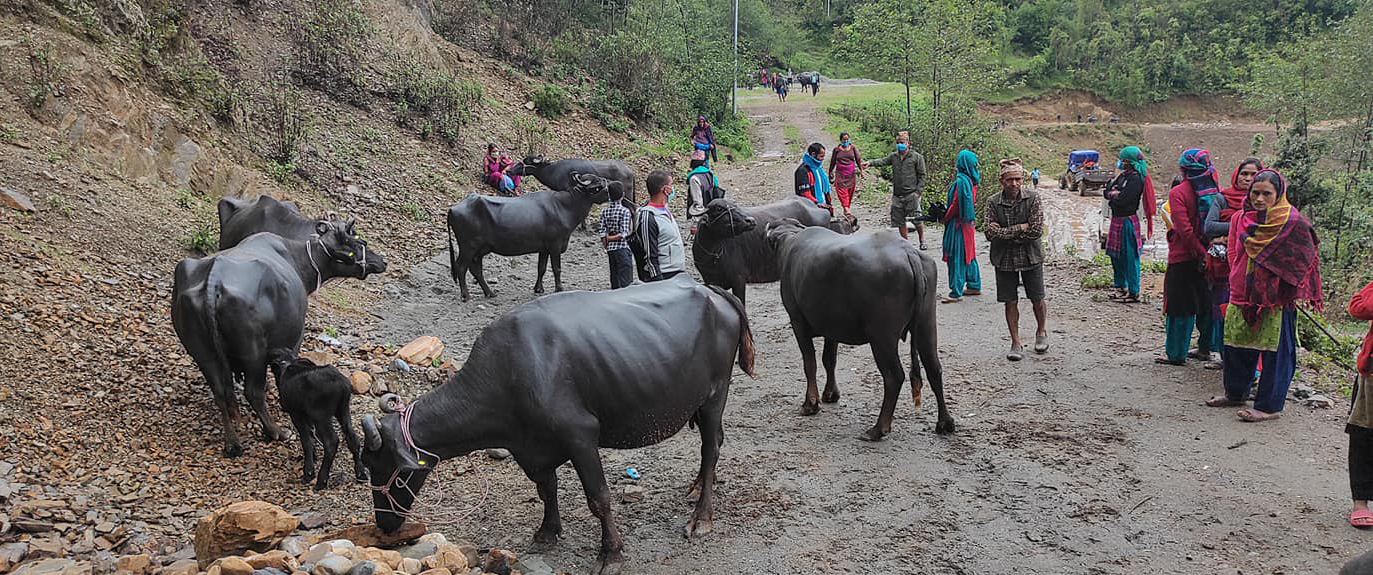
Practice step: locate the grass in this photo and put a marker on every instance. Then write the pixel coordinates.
(8, 134)
(792, 135)
(413, 210)
(59, 204)
(203, 240)
(830, 95)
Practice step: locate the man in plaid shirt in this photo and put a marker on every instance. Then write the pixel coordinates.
(1014, 223)
(614, 234)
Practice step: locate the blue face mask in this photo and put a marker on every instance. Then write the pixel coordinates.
(844, 144)
(671, 193)
(900, 147)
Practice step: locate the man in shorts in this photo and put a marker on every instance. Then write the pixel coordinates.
(1014, 223)
(907, 185)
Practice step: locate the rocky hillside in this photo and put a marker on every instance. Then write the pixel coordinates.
(122, 122)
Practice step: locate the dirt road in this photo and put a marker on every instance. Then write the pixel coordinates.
(1090, 459)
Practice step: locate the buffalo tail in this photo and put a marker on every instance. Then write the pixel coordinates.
(452, 251)
(212, 291)
(746, 349)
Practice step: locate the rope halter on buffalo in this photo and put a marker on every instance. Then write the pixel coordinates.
(429, 461)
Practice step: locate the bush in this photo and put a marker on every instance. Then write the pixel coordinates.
(550, 101)
(332, 37)
(532, 134)
(431, 100)
(203, 240)
(45, 79)
(285, 122)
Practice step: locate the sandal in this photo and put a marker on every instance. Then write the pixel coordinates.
(973, 292)
(1222, 401)
(1041, 344)
(1166, 361)
(1017, 353)
(951, 300)
(1129, 299)
(1198, 354)
(1361, 518)
(1256, 416)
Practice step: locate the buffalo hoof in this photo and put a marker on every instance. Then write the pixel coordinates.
(233, 450)
(944, 426)
(538, 290)
(698, 527)
(307, 477)
(810, 408)
(465, 297)
(543, 539)
(274, 434)
(609, 563)
(875, 434)
(830, 396)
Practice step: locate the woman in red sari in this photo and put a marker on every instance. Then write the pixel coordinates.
(497, 167)
(848, 164)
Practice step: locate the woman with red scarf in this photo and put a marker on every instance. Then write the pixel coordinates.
(499, 172)
(1186, 295)
(849, 164)
(1360, 426)
(1274, 264)
(1218, 226)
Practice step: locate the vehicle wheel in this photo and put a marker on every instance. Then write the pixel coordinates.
(1062, 184)
(1082, 188)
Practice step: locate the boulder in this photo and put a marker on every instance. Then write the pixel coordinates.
(234, 566)
(499, 561)
(369, 536)
(316, 552)
(436, 538)
(422, 350)
(325, 357)
(332, 565)
(11, 555)
(361, 382)
(470, 551)
(16, 200)
(363, 567)
(182, 567)
(140, 564)
(439, 571)
(277, 559)
(448, 557)
(54, 567)
(418, 551)
(241, 527)
(410, 566)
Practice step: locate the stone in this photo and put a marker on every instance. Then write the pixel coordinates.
(293, 545)
(16, 200)
(325, 357)
(332, 565)
(54, 567)
(410, 566)
(312, 520)
(30, 525)
(470, 551)
(369, 536)
(533, 565)
(1320, 401)
(436, 538)
(499, 561)
(632, 494)
(498, 453)
(418, 551)
(399, 365)
(234, 566)
(422, 350)
(241, 527)
(341, 544)
(276, 559)
(361, 382)
(316, 552)
(181, 567)
(439, 571)
(389, 557)
(448, 557)
(269, 571)
(49, 546)
(140, 564)
(11, 555)
(363, 567)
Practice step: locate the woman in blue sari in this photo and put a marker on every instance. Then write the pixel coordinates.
(960, 253)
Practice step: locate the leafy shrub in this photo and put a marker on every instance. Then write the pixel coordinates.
(203, 240)
(432, 100)
(280, 171)
(550, 100)
(413, 210)
(332, 37)
(225, 103)
(532, 133)
(284, 119)
(45, 79)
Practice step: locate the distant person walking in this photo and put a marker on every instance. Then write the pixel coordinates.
(658, 233)
(815, 84)
(1034, 177)
(1360, 426)
(703, 141)
(1274, 264)
(846, 166)
(1014, 222)
(1131, 190)
(1186, 296)
(811, 181)
(907, 186)
(960, 251)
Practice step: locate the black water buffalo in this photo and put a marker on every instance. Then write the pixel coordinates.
(240, 218)
(536, 222)
(552, 381)
(888, 291)
(231, 308)
(315, 396)
(557, 174)
(730, 250)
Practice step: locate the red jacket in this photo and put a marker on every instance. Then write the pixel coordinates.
(1361, 307)
(1184, 240)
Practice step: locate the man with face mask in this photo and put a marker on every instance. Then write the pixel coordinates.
(658, 232)
(908, 185)
(810, 179)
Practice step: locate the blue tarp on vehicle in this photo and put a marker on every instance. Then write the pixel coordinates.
(1079, 157)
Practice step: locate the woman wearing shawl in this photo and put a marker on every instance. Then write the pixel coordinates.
(959, 251)
(1131, 191)
(1186, 295)
(812, 183)
(1360, 426)
(703, 141)
(497, 167)
(1273, 265)
(850, 166)
(1217, 226)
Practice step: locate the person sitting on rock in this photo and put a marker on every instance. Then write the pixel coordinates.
(499, 171)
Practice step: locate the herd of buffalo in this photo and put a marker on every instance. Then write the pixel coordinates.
(619, 369)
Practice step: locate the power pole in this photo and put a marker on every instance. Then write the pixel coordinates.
(734, 92)
(827, 9)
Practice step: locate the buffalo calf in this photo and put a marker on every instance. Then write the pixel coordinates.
(315, 396)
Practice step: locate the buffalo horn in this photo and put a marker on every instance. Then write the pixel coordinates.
(390, 403)
(370, 434)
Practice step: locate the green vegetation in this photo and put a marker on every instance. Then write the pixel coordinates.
(8, 134)
(204, 240)
(283, 116)
(45, 74)
(332, 38)
(430, 100)
(412, 209)
(550, 100)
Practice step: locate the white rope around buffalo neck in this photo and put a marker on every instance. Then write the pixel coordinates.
(319, 277)
(438, 518)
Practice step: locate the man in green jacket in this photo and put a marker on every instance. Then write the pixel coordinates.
(908, 184)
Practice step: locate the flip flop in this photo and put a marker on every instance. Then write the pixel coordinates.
(1166, 361)
(1016, 354)
(951, 300)
(1041, 344)
(1222, 401)
(1362, 518)
(973, 292)
(1252, 416)
(1197, 354)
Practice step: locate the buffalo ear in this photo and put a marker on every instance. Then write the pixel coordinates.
(331, 215)
(352, 230)
(371, 435)
(322, 227)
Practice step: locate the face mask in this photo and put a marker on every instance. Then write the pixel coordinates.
(844, 143)
(1119, 165)
(900, 147)
(671, 193)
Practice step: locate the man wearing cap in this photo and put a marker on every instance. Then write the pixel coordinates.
(1014, 223)
(907, 185)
